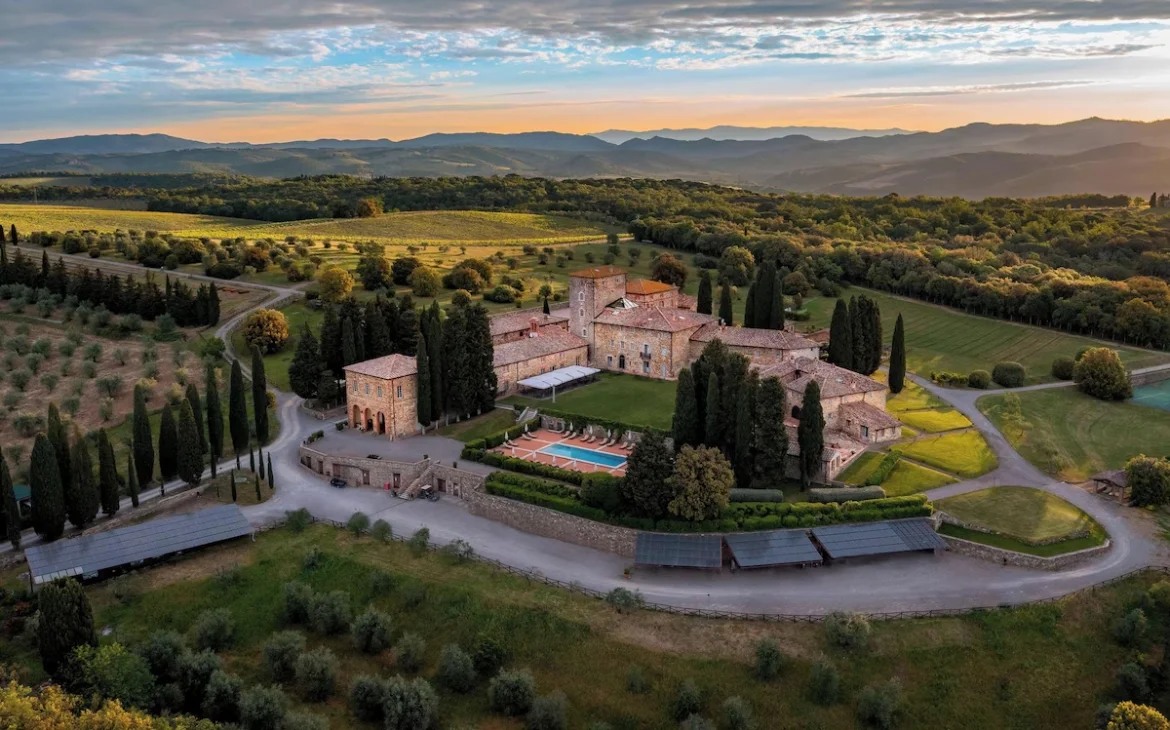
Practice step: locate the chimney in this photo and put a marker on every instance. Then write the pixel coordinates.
(533, 327)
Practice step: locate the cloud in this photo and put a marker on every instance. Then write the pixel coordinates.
(961, 90)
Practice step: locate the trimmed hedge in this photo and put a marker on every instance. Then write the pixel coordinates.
(578, 420)
(888, 463)
(847, 494)
(1062, 368)
(1009, 374)
(757, 495)
(948, 378)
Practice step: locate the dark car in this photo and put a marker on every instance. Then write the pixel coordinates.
(373, 456)
(337, 482)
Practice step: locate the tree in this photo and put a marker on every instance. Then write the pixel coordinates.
(131, 480)
(143, 439)
(776, 308)
(435, 347)
(266, 329)
(704, 300)
(749, 307)
(685, 424)
(712, 433)
(481, 383)
(168, 445)
(424, 281)
(545, 309)
(83, 507)
(810, 434)
(238, 413)
(66, 623)
(271, 479)
(1153, 200)
(668, 269)
(330, 342)
(841, 337)
(874, 344)
(1148, 480)
(423, 382)
(48, 499)
(197, 411)
(1099, 373)
(745, 423)
(726, 314)
(737, 265)
(8, 505)
(702, 481)
(856, 324)
(374, 270)
(259, 397)
(1131, 716)
(770, 436)
(109, 488)
(190, 457)
(348, 342)
(60, 440)
(334, 283)
(898, 357)
(214, 419)
(645, 486)
(305, 370)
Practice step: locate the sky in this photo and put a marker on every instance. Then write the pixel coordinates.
(278, 70)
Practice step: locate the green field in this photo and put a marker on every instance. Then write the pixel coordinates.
(624, 398)
(935, 421)
(1037, 668)
(1072, 436)
(907, 477)
(964, 453)
(1022, 512)
(941, 339)
(276, 365)
(494, 421)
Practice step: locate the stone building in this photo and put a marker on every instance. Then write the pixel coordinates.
(512, 326)
(762, 347)
(543, 350)
(651, 341)
(381, 395)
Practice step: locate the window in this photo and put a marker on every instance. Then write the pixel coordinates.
(664, 371)
(609, 361)
(581, 312)
(355, 388)
(645, 367)
(796, 412)
(581, 296)
(583, 332)
(379, 391)
(865, 432)
(367, 388)
(400, 391)
(645, 348)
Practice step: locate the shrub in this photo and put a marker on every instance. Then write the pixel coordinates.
(111, 672)
(687, 701)
(624, 600)
(885, 468)
(410, 705)
(980, 379)
(371, 632)
(1132, 683)
(106, 409)
(93, 352)
(266, 329)
(50, 381)
(381, 531)
(848, 631)
(847, 494)
(1009, 374)
(824, 683)
(367, 697)
(263, 708)
(19, 379)
(298, 520)
(298, 600)
(381, 583)
(456, 669)
(769, 660)
(488, 655)
(281, 652)
(512, 693)
(419, 541)
(195, 670)
(1062, 368)
(548, 713)
(414, 594)
(953, 379)
(1131, 629)
(163, 652)
(110, 386)
(877, 707)
(214, 629)
(358, 523)
(1101, 374)
(316, 674)
(408, 652)
(221, 699)
(737, 714)
(757, 495)
(696, 722)
(304, 721)
(33, 362)
(1159, 594)
(330, 613)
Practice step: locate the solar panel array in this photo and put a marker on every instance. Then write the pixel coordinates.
(124, 545)
(773, 547)
(544, 381)
(878, 538)
(679, 551)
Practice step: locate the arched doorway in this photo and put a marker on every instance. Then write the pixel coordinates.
(621, 362)
(796, 412)
(381, 422)
(368, 422)
(356, 419)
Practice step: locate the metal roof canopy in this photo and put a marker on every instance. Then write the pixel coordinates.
(878, 538)
(558, 377)
(91, 553)
(773, 548)
(678, 551)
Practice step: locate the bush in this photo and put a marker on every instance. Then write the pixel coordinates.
(757, 495)
(847, 494)
(1132, 683)
(419, 541)
(410, 705)
(113, 673)
(848, 631)
(696, 722)
(163, 652)
(371, 632)
(877, 707)
(824, 684)
(266, 329)
(687, 701)
(1101, 374)
(952, 379)
(1009, 374)
(1062, 368)
(330, 613)
(980, 379)
(459, 551)
(381, 531)
(358, 523)
(281, 652)
(624, 600)
(488, 655)
(263, 708)
(214, 630)
(1131, 629)
(769, 660)
(381, 583)
(195, 670)
(298, 599)
(737, 714)
(548, 713)
(298, 520)
(316, 674)
(304, 721)
(409, 651)
(221, 700)
(512, 693)
(313, 558)
(367, 697)
(456, 669)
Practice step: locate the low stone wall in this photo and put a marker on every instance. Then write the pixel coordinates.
(381, 472)
(457, 482)
(1149, 378)
(1009, 557)
(550, 523)
(949, 519)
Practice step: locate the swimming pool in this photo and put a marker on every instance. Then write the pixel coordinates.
(589, 456)
(1156, 395)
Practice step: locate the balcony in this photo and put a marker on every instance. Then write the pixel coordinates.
(644, 355)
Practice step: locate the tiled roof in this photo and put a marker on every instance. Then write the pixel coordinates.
(686, 301)
(546, 343)
(387, 368)
(751, 337)
(821, 337)
(522, 320)
(834, 381)
(598, 272)
(647, 286)
(662, 319)
(867, 415)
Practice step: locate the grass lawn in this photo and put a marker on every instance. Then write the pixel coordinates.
(938, 338)
(964, 453)
(625, 398)
(861, 468)
(1037, 668)
(276, 365)
(493, 421)
(1021, 512)
(912, 398)
(910, 478)
(1096, 538)
(935, 421)
(1072, 436)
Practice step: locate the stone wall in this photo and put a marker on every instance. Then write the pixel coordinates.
(1009, 557)
(949, 519)
(388, 406)
(508, 375)
(386, 474)
(550, 523)
(1148, 378)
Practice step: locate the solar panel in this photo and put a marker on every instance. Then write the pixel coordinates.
(773, 547)
(878, 538)
(124, 545)
(680, 551)
(564, 375)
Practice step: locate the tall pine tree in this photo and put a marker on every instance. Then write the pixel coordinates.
(197, 411)
(703, 305)
(841, 337)
(168, 445)
(330, 342)
(59, 437)
(238, 413)
(765, 285)
(771, 437)
(749, 308)
(455, 363)
(108, 487)
(423, 381)
(685, 427)
(143, 440)
(810, 435)
(259, 396)
(898, 357)
(874, 314)
(712, 435)
(214, 419)
(745, 417)
(48, 499)
(131, 480)
(8, 505)
(857, 321)
(435, 344)
(776, 315)
(83, 508)
(348, 344)
(271, 479)
(378, 342)
(190, 457)
(65, 623)
(304, 373)
(481, 370)
(726, 313)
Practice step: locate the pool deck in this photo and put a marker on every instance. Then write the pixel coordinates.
(528, 449)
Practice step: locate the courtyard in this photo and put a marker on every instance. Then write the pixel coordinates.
(567, 451)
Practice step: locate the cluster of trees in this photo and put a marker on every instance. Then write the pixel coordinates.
(764, 308)
(455, 353)
(855, 336)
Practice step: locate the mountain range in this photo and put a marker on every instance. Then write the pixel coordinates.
(975, 161)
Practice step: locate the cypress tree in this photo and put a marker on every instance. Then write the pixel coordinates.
(48, 499)
(60, 440)
(860, 335)
(810, 434)
(378, 342)
(143, 440)
(483, 384)
(213, 306)
(841, 337)
(168, 445)
(646, 487)
(776, 315)
(765, 285)
(258, 495)
(66, 623)
(898, 358)
(197, 412)
(271, 480)
(423, 380)
(749, 308)
(455, 363)
(131, 480)
(214, 419)
(259, 397)
(8, 505)
(703, 306)
(725, 311)
(546, 309)
(711, 432)
(435, 344)
(233, 478)
(685, 425)
(348, 344)
(238, 413)
(251, 459)
(744, 428)
(330, 342)
(82, 508)
(304, 373)
(108, 476)
(190, 458)
(875, 337)
(770, 437)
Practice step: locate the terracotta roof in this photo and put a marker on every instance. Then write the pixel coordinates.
(751, 337)
(1117, 477)
(834, 381)
(647, 286)
(662, 319)
(387, 368)
(821, 337)
(868, 415)
(598, 272)
(546, 343)
(685, 301)
(522, 320)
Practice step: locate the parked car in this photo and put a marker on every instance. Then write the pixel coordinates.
(373, 456)
(337, 482)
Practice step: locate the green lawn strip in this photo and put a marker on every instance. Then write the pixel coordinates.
(935, 421)
(912, 398)
(861, 468)
(494, 421)
(1021, 512)
(1072, 436)
(965, 453)
(1007, 543)
(625, 398)
(1053, 661)
(911, 478)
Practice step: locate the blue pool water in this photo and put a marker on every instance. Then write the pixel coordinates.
(1154, 396)
(587, 455)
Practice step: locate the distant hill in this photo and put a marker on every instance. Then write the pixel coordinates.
(101, 144)
(725, 131)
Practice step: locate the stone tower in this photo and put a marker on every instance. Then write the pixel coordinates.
(590, 292)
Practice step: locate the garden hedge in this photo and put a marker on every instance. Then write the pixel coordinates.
(493, 440)
(980, 379)
(884, 469)
(520, 466)
(1009, 374)
(846, 494)
(578, 420)
(757, 495)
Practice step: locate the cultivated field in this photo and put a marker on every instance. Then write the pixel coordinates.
(959, 452)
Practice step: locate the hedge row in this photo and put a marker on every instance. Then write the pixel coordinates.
(521, 466)
(846, 494)
(800, 509)
(552, 489)
(758, 495)
(578, 420)
(888, 463)
(493, 440)
(539, 498)
(776, 522)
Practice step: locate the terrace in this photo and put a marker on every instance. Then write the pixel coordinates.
(576, 452)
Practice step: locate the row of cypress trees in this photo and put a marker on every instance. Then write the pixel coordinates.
(855, 335)
(764, 308)
(455, 354)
